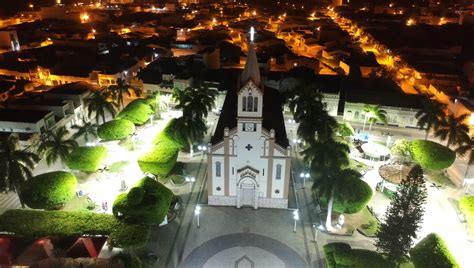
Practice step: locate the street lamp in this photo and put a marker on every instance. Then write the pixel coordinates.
(197, 212)
(190, 180)
(296, 217)
(319, 228)
(304, 176)
(202, 148)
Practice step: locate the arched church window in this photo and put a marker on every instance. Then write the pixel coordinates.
(244, 104)
(278, 172)
(218, 169)
(255, 104)
(249, 104)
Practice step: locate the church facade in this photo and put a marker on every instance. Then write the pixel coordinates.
(249, 157)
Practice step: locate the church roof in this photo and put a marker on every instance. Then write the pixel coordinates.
(251, 70)
(272, 116)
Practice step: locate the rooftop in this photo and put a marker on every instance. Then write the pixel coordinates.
(25, 116)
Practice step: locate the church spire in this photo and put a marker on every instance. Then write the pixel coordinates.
(251, 71)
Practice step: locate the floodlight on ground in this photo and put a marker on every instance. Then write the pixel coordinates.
(296, 217)
(197, 212)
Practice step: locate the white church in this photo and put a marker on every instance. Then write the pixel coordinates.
(249, 155)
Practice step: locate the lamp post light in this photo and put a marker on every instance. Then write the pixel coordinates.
(202, 148)
(296, 217)
(197, 212)
(304, 176)
(316, 229)
(190, 180)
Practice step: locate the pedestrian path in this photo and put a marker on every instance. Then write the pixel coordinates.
(9, 201)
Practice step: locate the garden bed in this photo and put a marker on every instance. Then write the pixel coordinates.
(137, 111)
(117, 129)
(394, 173)
(466, 206)
(60, 224)
(364, 221)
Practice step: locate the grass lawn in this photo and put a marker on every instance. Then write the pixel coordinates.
(363, 221)
(359, 166)
(439, 177)
(80, 204)
(118, 166)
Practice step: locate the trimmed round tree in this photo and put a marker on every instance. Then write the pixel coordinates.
(147, 202)
(432, 251)
(50, 190)
(87, 158)
(431, 155)
(350, 196)
(117, 129)
(137, 111)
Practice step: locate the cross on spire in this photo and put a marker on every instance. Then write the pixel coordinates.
(252, 33)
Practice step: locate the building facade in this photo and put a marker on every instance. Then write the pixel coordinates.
(249, 157)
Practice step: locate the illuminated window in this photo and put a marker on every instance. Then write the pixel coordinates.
(249, 104)
(278, 172)
(218, 169)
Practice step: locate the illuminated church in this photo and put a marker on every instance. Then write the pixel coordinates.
(249, 156)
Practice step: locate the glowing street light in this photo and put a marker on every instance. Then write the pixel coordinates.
(202, 148)
(197, 212)
(296, 217)
(304, 176)
(191, 180)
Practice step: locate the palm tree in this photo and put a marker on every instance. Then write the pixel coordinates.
(98, 102)
(56, 146)
(306, 98)
(15, 165)
(86, 129)
(117, 91)
(345, 130)
(322, 155)
(195, 102)
(325, 185)
(454, 129)
(374, 114)
(430, 115)
(191, 129)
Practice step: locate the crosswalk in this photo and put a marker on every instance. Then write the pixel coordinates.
(9, 201)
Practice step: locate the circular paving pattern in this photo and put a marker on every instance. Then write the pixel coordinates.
(243, 250)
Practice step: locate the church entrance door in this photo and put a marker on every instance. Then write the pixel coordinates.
(247, 196)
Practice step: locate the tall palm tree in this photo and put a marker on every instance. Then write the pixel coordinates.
(305, 98)
(98, 102)
(374, 114)
(117, 91)
(454, 130)
(430, 115)
(345, 130)
(192, 130)
(56, 146)
(195, 102)
(323, 155)
(15, 165)
(88, 129)
(325, 185)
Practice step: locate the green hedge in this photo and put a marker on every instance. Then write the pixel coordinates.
(117, 129)
(59, 224)
(160, 159)
(50, 190)
(466, 205)
(341, 255)
(431, 155)
(137, 111)
(432, 251)
(147, 202)
(169, 135)
(87, 158)
(350, 196)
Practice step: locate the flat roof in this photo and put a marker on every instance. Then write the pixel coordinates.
(25, 116)
(76, 88)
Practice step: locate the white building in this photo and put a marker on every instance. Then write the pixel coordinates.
(249, 155)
